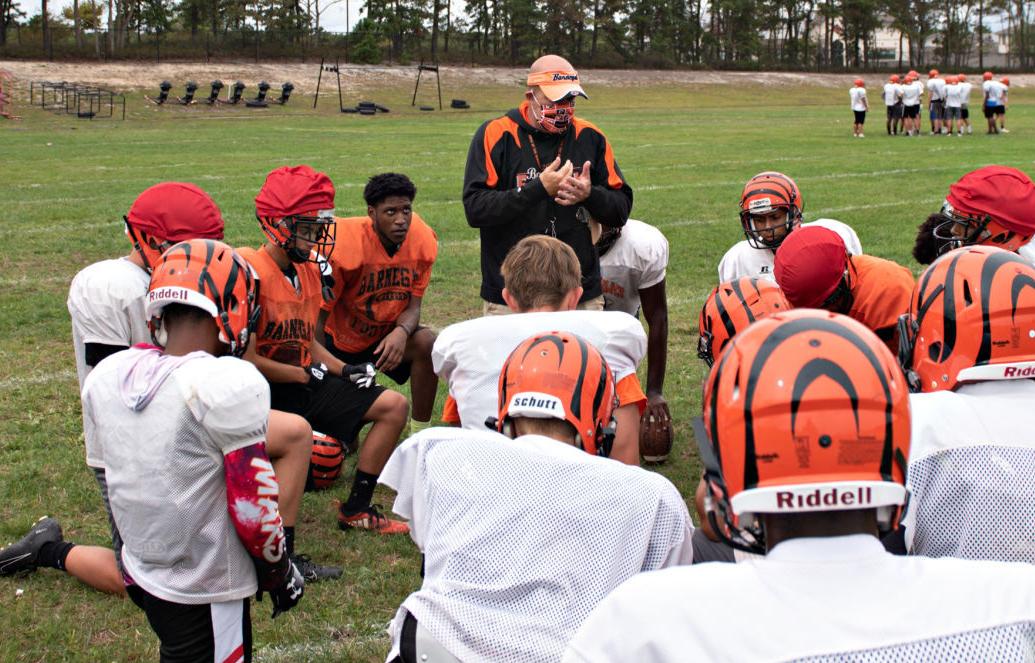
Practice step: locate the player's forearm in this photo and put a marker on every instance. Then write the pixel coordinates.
(610, 207)
(657, 353)
(276, 371)
(252, 492)
(486, 208)
(322, 355)
(409, 319)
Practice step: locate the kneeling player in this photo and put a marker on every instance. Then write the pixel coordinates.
(522, 537)
(295, 211)
(805, 441)
(182, 430)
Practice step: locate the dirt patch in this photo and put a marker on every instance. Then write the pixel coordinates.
(138, 75)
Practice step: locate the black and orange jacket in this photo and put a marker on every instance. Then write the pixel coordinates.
(288, 318)
(504, 199)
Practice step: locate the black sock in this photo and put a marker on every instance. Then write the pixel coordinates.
(289, 540)
(362, 492)
(53, 554)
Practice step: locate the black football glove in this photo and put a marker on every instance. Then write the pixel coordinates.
(288, 594)
(361, 375)
(317, 373)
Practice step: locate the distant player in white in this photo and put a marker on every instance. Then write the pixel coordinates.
(859, 104)
(893, 102)
(542, 279)
(771, 207)
(972, 461)
(953, 105)
(182, 430)
(965, 90)
(633, 262)
(993, 92)
(911, 93)
(936, 100)
(811, 481)
(1004, 101)
(522, 537)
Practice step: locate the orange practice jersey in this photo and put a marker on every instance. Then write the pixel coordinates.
(882, 290)
(288, 318)
(372, 288)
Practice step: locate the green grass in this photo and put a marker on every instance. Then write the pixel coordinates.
(65, 184)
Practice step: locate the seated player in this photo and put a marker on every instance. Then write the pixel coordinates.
(993, 206)
(805, 441)
(542, 283)
(770, 210)
(633, 260)
(182, 429)
(968, 348)
(520, 531)
(381, 268)
(106, 304)
(295, 211)
(815, 271)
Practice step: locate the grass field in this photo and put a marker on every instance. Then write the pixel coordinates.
(65, 184)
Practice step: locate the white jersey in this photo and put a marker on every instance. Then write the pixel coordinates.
(818, 600)
(162, 425)
(106, 302)
(972, 473)
(911, 93)
(953, 96)
(892, 94)
(469, 355)
(993, 92)
(857, 97)
(936, 86)
(965, 89)
(521, 538)
(744, 260)
(637, 261)
(1027, 251)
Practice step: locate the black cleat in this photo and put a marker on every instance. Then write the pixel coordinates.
(313, 572)
(21, 556)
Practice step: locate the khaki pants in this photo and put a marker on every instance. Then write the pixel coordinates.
(595, 304)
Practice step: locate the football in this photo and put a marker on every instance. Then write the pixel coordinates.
(655, 439)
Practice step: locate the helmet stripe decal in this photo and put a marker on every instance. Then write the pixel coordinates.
(576, 396)
(814, 370)
(989, 269)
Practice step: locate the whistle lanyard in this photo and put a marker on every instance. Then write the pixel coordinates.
(551, 229)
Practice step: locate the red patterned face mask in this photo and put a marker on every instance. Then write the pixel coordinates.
(553, 116)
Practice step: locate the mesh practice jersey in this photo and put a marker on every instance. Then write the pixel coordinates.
(469, 355)
(636, 262)
(838, 599)
(163, 435)
(972, 473)
(743, 260)
(523, 537)
(106, 302)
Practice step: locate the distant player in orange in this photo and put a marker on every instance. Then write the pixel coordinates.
(295, 209)
(381, 266)
(814, 270)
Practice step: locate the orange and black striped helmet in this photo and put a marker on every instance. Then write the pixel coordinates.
(972, 318)
(559, 375)
(765, 193)
(805, 411)
(209, 275)
(730, 308)
(325, 464)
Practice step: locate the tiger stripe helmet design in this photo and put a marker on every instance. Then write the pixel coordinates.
(730, 308)
(765, 193)
(972, 317)
(325, 464)
(805, 411)
(558, 375)
(209, 275)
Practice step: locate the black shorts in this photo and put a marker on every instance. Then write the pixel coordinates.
(337, 407)
(937, 109)
(116, 538)
(894, 111)
(860, 117)
(912, 111)
(964, 113)
(1000, 110)
(400, 374)
(203, 632)
(990, 111)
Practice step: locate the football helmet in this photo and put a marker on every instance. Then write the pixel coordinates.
(987, 76)
(295, 208)
(167, 213)
(325, 464)
(209, 275)
(961, 77)
(764, 194)
(993, 205)
(859, 82)
(894, 78)
(558, 375)
(730, 308)
(972, 317)
(805, 411)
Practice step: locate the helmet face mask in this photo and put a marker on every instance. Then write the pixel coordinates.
(303, 237)
(770, 209)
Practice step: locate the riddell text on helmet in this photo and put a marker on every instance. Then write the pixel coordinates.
(168, 293)
(1014, 372)
(861, 496)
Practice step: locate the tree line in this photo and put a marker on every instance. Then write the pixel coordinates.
(791, 34)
